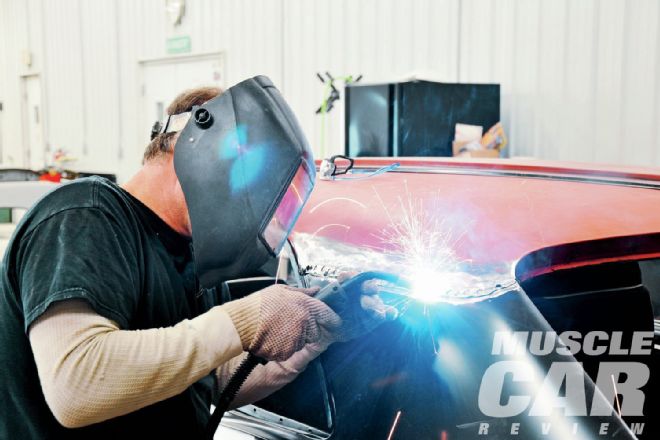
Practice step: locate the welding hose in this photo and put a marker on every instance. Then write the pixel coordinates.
(230, 391)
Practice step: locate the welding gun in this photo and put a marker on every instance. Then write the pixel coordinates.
(345, 299)
(340, 297)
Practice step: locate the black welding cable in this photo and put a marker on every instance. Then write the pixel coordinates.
(231, 390)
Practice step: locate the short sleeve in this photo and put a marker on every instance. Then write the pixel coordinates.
(79, 253)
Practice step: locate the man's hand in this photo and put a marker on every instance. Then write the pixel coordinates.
(276, 322)
(361, 309)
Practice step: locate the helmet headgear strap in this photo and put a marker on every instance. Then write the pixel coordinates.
(173, 124)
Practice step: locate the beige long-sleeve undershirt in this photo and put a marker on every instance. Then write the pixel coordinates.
(91, 371)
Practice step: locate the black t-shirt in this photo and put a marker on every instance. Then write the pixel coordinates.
(92, 240)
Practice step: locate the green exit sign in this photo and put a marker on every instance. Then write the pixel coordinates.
(177, 45)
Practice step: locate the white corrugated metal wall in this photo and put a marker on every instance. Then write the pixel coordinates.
(580, 79)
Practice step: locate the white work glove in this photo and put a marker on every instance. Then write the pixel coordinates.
(278, 321)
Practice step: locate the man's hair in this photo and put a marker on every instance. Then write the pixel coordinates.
(162, 143)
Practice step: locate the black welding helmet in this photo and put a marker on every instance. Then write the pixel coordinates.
(246, 171)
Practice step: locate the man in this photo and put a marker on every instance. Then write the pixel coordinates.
(105, 329)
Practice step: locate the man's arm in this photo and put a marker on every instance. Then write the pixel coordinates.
(91, 371)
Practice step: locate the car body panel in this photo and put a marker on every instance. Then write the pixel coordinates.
(486, 218)
(502, 224)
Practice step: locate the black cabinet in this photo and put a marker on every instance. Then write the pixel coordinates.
(415, 118)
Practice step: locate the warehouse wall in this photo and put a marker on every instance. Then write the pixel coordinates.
(580, 79)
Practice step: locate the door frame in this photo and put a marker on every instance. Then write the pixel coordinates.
(24, 78)
(165, 60)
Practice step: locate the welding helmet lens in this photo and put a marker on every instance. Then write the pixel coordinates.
(284, 218)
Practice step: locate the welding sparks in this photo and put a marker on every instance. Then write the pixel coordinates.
(337, 199)
(426, 283)
(394, 425)
(422, 240)
(331, 225)
(418, 243)
(422, 244)
(616, 396)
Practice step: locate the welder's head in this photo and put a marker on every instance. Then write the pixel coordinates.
(246, 171)
(160, 151)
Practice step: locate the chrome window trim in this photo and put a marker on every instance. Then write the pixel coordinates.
(595, 179)
(256, 421)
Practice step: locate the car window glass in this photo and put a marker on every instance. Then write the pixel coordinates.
(651, 279)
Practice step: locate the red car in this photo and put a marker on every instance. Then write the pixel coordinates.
(520, 276)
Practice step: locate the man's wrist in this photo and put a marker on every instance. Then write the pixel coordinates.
(244, 314)
(219, 334)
